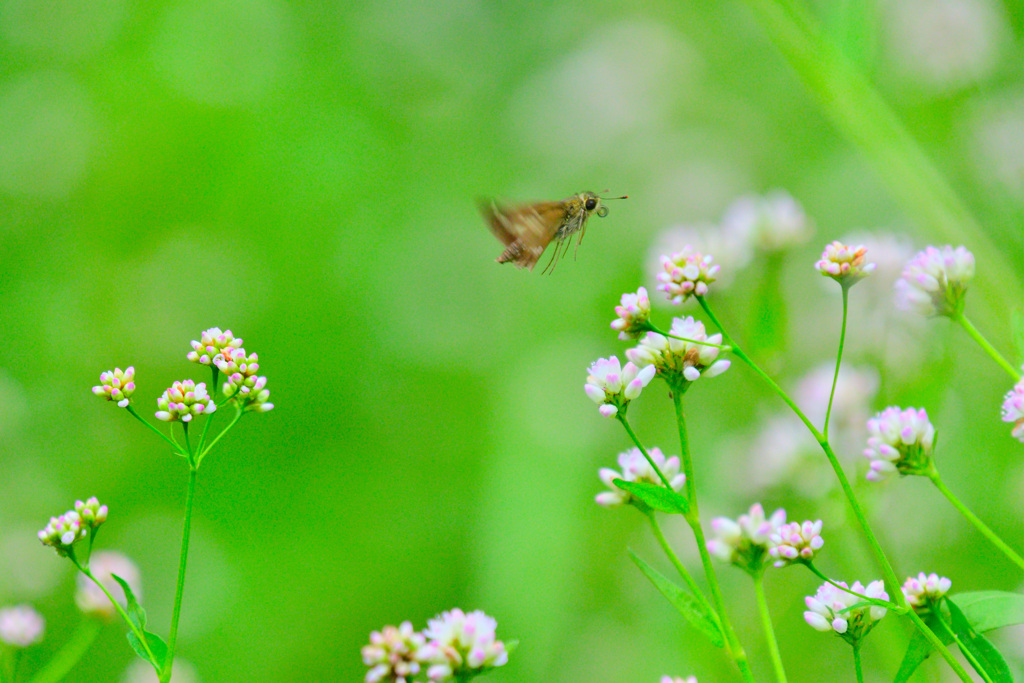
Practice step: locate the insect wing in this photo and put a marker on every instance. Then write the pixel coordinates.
(525, 230)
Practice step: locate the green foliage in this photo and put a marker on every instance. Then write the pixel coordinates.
(654, 496)
(699, 616)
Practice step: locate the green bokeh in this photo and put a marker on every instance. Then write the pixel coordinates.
(306, 175)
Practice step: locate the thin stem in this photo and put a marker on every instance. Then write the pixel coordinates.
(165, 673)
(856, 663)
(766, 625)
(973, 519)
(70, 653)
(693, 518)
(951, 634)
(238, 416)
(674, 559)
(839, 359)
(874, 601)
(977, 336)
(174, 445)
(650, 461)
(120, 610)
(721, 347)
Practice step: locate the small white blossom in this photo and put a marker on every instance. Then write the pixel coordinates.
(678, 360)
(612, 386)
(634, 311)
(832, 609)
(116, 385)
(91, 599)
(773, 222)
(393, 654)
(459, 643)
(934, 282)
(635, 468)
(212, 342)
(1013, 409)
(899, 440)
(844, 264)
(745, 541)
(183, 400)
(678, 679)
(63, 531)
(795, 542)
(21, 626)
(730, 250)
(924, 591)
(686, 273)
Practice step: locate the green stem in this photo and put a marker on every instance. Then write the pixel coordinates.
(8, 663)
(238, 416)
(874, 601)
(70, 653)
(889, 575)
(172, 640)
(175, 446)
(973, 519)
(120, 610)
(766, 625)
(966, 652)
(839, 359)
(693, 518)
(674, 559)
(985, 345)
(636, 440)
(856, 663)
(720, 347)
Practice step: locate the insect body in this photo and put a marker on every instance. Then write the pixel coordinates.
(526, 230)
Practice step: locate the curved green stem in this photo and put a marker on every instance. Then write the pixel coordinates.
(692, 517)
(721, 347)
(120, 610)
(174, 445)
(973, 519)
(977, 336)
(966, 652)
(839, 359)
(874, 601)
(632, 435)
(674, 559)
(856, 663)
(766, 625)
(238, 416)
(172, 640)
(70, 653)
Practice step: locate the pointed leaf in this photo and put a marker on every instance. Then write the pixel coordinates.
(919, 649)
(695, 611)
(987, 656)
(655, 496)
(156, 645)
(986, 610)
(135, 611)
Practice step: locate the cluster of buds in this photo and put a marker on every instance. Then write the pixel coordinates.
(635, 468)
(925, 591)
(899, 441)
(454, 646)
(844, 264)
(795, 543)
(848, 615)
(63, 531)
(244, 384)
(212, 343)
(935, 281)
(686, 273)
(612, 386)
(745, 542)
(116, 385)
(1013, 410)
(680, 362)
(183, 400)
(634, 313)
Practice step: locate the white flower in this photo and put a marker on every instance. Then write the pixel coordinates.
(678, 679)
(934, 282)
(636, 468)
(183, 400)
(832, 609)
(745, 541)
(393, 654)
(899, 441)
(90, 599)
(795, 542)
(21, 626)
(612, 386)
(924, 591)
(1013, 409)
(686, 273)
(773, 222)
(843, 263)
(212, 342)
(678, 360)
(732, 251)
(116, 385)
(459, 643)
(634, 311)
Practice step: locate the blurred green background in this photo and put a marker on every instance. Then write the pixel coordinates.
(305, 174)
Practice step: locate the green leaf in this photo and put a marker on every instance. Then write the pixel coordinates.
(700, 616)
(135, 611)
(987, 656)
(919, 649)
(655, 496)
(986, 610)
(156, 645)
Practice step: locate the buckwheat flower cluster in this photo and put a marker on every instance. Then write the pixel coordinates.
(63, 531)
(745, 541)
(833, 609)
(795, 543)
(677, 360)
(393, 654)
(91, 599)
(844, 264)
(934, 282)
(1013, 410)
(635, 468)
(116, 385)
(21, 626)
(686, 273)
(899, 440)
(612, 386)
(634, 312)
(183, 400)
(460, 644)
(924, 591)
(212, 342)
(244, 383)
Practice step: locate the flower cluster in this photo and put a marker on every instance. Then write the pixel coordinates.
(634, 312)
(21, 626)
(635, 468)
(212, 343)
(1013, 409)
(116, 385)
(745, 542)
(91, 599)
(612, 386)
(795, 543)
(686, 273)
(63, 531)
(924, 591)
(899, 440)
(454, 646)
(677, 360)
(934, 282)
(844, 264)
(850, 616)
(183, 400)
